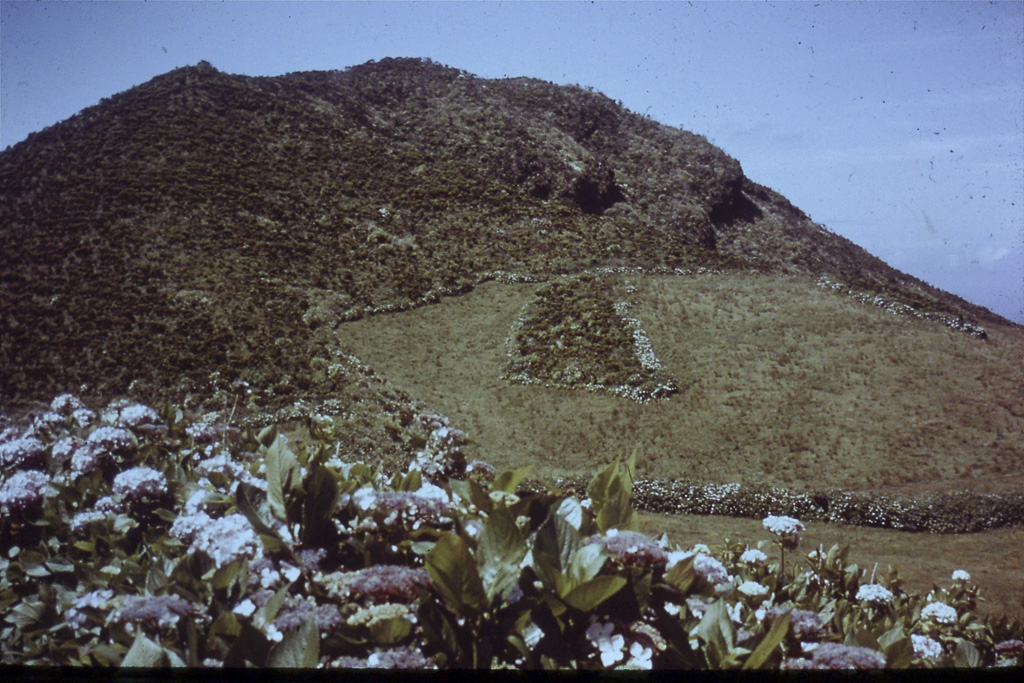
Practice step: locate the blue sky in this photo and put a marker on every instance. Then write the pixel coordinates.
(898, 125)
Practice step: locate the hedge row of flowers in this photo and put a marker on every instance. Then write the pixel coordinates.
(950, 512)
(134, 537)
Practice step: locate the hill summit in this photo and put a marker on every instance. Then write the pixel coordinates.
(204, 229)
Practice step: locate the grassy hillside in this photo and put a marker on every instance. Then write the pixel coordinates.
(781, 382)
(206, 227)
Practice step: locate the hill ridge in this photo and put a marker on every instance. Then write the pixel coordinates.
(206, 222)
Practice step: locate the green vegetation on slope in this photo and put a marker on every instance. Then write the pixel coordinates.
(203, 224)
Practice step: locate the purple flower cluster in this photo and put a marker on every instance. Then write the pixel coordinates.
(140, 483)
(155, 612)
(632, 549)
(396, 658)
(1010, 648)
(836, 656)
(409, 508)
(66, 404)
(380, 583)
(805, 624)
(22, 489)
(112, 439)
(223, 540)
(137, 415)
(296, 611)
(19, 450)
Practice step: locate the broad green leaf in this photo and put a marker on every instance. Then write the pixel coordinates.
(298, 649)
(319, 505)
(27, 614)
(586, 563)
(223, 576)
(501, 547)
(412, 481)
(509, 480)
(557, 539)
(716, 630)
(282, 474)
(265, 615)
(226, 624)
(764, 649)
(267, 435)
(272, 542)
(682, 575)
(611, 494)
(390, 631)
(590, 594)
(454, 572)
(144, 652)
(965, 655)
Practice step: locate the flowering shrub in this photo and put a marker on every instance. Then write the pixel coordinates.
(265, 553)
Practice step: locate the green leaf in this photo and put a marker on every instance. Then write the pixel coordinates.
(267, 435)
(558, 540)
(590, 594)
(768, 644)
(250, 646)
(282, 474)
(144, 652)
(611, 493)
(682, 575)
(966, 655)
(897, 647)
(223, 577)
(272, 542)
(716, 630)
(27, 614)
(501, 547)
(226, 624)
(298, 649)
(454, 572)
(412, 481)
(586, 563)
(318, 506)
(265, 615)
(508, 481)
(390, 631)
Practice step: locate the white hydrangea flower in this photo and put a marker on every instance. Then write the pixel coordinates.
(639, 657)
(701, 548)
(925, 647)
(752, 588)
(82, 520)
(137, 414)
(712, 570)
(961, 575)
(940, 613)
(753, 556)
(65, 404)
(140, 482)
(84, 417)
(609, 646)
(873, 592)
(786, 528)
(244, 608)
(22, 489)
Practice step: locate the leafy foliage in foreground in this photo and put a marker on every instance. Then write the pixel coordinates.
(142, 539)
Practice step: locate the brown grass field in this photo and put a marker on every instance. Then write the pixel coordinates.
(782, 382)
